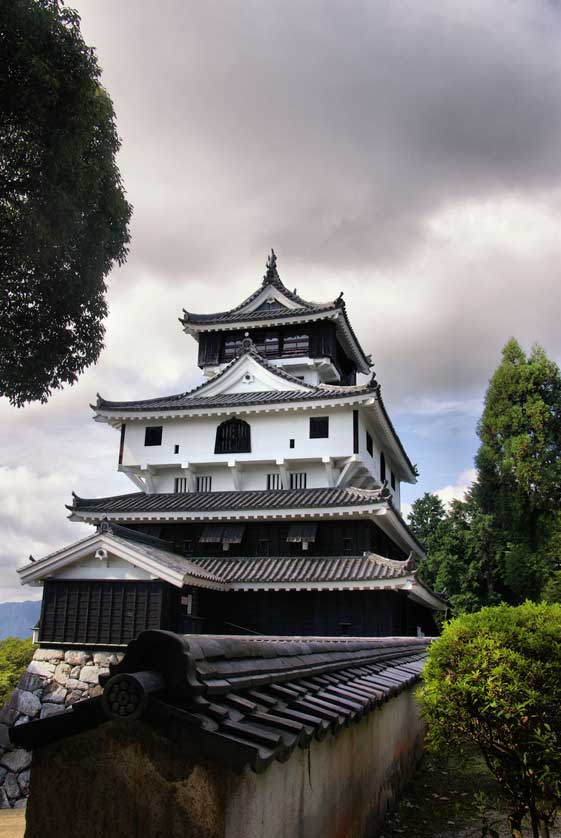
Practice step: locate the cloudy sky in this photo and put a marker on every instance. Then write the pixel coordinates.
(408, 153)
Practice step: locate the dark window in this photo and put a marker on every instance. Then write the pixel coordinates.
(393, 480)
(268, 344)
(347, 545)
(298, 480)
(153, 435)
(180, 484)
(295, 344)
(355, 431)
(382, 467)
(273, 482)
(231, 348)
(188, 548)
(319, 427)
(264, 547)
(176, 449)
(291, 443)
(204, 483)
(369, 444)
(233, 437)
(122, 444)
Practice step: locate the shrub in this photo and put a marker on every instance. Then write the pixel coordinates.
(493, 679)
(15, 655)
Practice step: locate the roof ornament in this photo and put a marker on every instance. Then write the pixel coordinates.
(31, 559)
(271, 266)
(247, 343)
(105, 526)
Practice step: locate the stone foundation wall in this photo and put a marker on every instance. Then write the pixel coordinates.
(54, 680)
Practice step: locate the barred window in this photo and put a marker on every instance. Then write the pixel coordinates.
(233, 437)
(273, 482)
(295, 344)
(204, 483)
(298, 480)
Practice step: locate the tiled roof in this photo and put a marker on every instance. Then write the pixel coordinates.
(225, 501)
(196, 400)
(297, 570)
(246, 701)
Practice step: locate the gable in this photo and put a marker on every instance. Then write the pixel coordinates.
(262, 300)
(247, 375)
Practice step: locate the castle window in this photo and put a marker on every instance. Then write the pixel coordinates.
(188, 548)
(268, 344)
(369, 444)
(231, 347)
(382, 467)
(180, 485)
(273, 482)
(295, 344)
(264, 547)
(233, 437)
(347, 546)
(153, 435)
(298, 480)
(204, 483)
(291, 443)
(176, 449)
(393, 480)
(319, 427)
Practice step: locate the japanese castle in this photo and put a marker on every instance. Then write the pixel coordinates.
(266, 499)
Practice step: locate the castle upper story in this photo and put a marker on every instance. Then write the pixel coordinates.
(277, 411)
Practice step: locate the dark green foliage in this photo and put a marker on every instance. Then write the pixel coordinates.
(493, 679)
(503, 542)
(15, 654)
(425, 516)
(63, 214)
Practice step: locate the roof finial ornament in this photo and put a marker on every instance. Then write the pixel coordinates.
(247, 343)
(271, 266)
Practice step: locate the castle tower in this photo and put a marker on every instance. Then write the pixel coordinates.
(267, 498)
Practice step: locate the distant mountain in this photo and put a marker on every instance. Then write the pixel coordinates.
(18, 618)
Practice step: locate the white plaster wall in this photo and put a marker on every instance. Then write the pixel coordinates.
(111, 568)
(338, 787)
(270, 435)
(373, 462)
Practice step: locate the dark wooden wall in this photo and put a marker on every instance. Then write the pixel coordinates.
(321, 613)
(105, 612)
(322, 337)
(333, 538)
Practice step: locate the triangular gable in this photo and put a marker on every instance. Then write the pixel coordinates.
(248, 374)
(269, 294)
(105, 549)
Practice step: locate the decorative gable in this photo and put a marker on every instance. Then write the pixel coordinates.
(248, 375)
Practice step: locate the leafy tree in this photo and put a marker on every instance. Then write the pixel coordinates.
(425, 516)
(15, 654)
(63, 214)
(519, 460)
(493, 679)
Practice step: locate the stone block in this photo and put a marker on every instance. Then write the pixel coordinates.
(11, 786)
(41, 668)
(74, 696)
(48, 655)
(89, 674)
(93, 692)
(75, 672)
(51, 710)
(30, 682)
(4, 737)
(23, 781)
(8, 715)
(20, 804)
(77, 658)
(102, 658)
(54, 694)
(17, 760)
(4, 802)
(62, 673)
(73, 684)
(3, 772)
(25, 702)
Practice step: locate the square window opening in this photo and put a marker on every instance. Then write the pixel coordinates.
(319, 427)
(153, 435)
